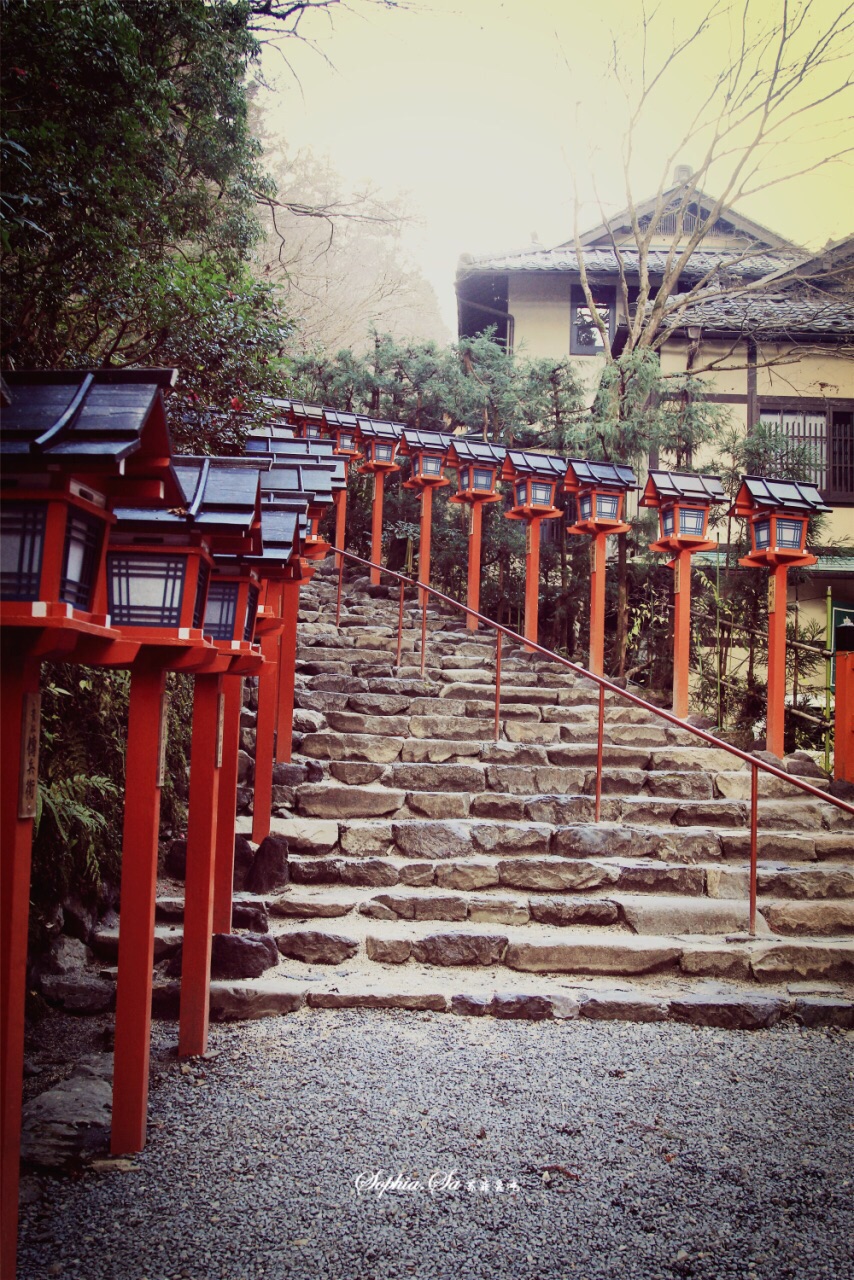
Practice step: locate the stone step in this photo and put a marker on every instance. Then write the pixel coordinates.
(726, 1004)
(575, 950)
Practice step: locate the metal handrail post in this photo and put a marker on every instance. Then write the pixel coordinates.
(600, 738)
(754, 822)
(497, 685)
(400, 624)
(423, 633)
(340, 589)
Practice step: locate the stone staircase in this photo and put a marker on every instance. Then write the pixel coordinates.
(434, 867)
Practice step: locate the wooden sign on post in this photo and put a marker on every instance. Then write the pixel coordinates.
(30, 726)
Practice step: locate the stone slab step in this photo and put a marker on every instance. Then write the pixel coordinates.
(719, 1004)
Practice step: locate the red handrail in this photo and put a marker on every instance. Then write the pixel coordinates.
(603, 683)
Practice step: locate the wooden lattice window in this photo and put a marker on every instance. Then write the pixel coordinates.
(826, 437)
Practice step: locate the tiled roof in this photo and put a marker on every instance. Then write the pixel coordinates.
(770, 492)
(777, 313)
(602, 262)
(463, 450)
(430, 441)
(602, 473)
(675, 484)
(94, 417)
(523, 462)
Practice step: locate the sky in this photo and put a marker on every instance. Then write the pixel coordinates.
(490, 119)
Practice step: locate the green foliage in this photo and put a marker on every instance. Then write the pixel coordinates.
(127, 143)
(77, 838)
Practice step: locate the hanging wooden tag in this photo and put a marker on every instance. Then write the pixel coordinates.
(30, 726)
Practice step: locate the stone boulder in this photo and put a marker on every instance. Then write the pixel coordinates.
(175, 864)
(459, 948)
(242, 955)
(68, 1124)
(315, 947)
(269, 868)
(83, 993)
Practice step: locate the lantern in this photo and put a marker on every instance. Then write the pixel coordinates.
(427, 451)
(378, 441)
(534, 478)
(600, 490)
(683, 502)
(777, 512)
(72, 443)
(477, 464)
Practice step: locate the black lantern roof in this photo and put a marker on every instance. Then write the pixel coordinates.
(683, 486)
(334, 418)
(265, 439)
(284, 525)
(521, 462)
(295, 410)
(305, 454)
(96, 419)
(602, 475)
(220, 495)
(463, 450)
(793, 495)
(379, 428)
(414, 440)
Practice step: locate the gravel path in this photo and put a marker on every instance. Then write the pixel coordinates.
(608, 1150)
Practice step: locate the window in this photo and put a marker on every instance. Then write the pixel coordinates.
(691, 520)
(585, 338)
(464, 477)
(606, 506)
(431, 466)
(382, 453)
(521, 493)
(541, 495)
(789, 533)
(80, 559)
(482, 478)
(823, 437)
(221, 610)
(22, 545)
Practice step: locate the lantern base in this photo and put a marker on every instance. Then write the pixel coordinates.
(419, 482)
(534, 513)
(472, 501)
(370, 468)
(773, 559)
(675, 543)
(592, 527)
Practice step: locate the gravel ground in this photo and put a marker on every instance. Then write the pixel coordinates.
(573, 1151)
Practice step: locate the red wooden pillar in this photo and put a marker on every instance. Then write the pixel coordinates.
(224, 873)
(682, 631)
(18, 778)
(475, 535)
(205, 761)
(377, 525)
(287, 670)
(597, 604)
(340, 501)
(265, 732)
(843, 742)
(143, 773)
(424, 539)
(532, 579)
(776, 713)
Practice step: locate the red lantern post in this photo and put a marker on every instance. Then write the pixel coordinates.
(427, 451)
(477, 463)
(600, 490)
(777, 512)
(683, 502)
(70, 441)
(534, 477)
(378, 441)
